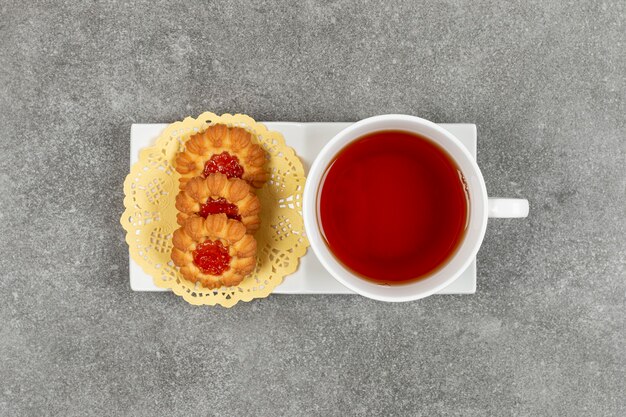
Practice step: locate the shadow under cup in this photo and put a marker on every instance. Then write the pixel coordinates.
(393, 207)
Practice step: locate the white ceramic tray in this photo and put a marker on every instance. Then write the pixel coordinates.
(307, 139)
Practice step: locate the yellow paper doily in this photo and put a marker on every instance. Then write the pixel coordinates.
(150, 216)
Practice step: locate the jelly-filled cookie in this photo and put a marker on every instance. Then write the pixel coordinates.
(215, 251)
(217, 194)
(226, 150)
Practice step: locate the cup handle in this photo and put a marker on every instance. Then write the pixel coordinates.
(508, 207)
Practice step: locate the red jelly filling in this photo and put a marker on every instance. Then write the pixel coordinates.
(211, 257)
(224, 163)
(219, 206)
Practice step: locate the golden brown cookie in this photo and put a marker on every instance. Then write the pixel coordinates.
(219, 194)
(215, 251)
(228, 150)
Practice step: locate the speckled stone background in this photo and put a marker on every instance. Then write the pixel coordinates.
(543, 80)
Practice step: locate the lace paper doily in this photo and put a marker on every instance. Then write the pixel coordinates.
(150, 216)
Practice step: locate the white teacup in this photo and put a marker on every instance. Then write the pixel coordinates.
(481, 207)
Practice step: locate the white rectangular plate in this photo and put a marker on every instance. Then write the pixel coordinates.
(307, 139)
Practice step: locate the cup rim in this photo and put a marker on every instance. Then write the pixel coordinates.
(349, 279)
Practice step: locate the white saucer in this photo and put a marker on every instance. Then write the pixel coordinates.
(307, 139)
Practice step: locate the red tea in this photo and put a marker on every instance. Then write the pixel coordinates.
(393, 207)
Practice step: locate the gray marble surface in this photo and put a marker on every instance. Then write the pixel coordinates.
(543, 80)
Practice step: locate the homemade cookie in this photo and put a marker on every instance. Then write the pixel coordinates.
(223, 149)
(215, 251)
(219, 194)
